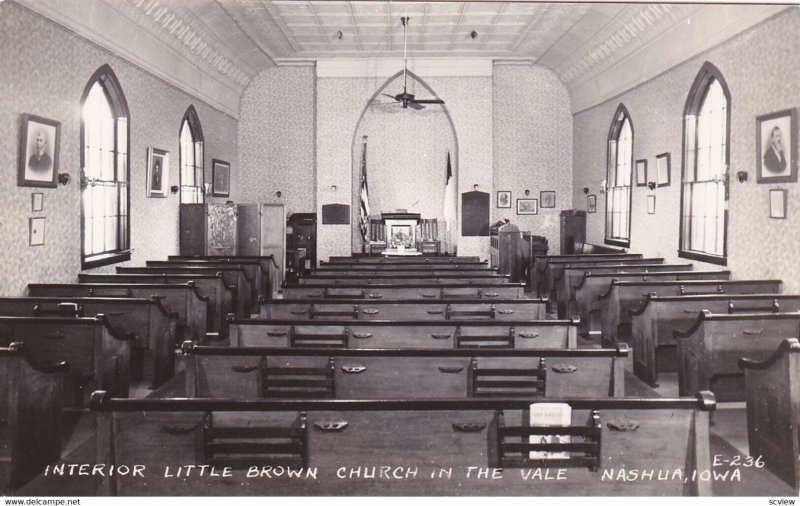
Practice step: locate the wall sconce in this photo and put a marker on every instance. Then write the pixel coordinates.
(333, 188)
(64, 178)
(473, 34)
(741, 176)
(207, 187)
(475, 187)
(174, 189)
(339, 35)
(651, 185)
(603, 185)
(278, 194)
(527, 192)
(585, 189)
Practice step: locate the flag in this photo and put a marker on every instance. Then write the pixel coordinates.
(364, 194)
(449, 211)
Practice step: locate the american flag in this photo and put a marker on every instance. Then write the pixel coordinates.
(364, 198)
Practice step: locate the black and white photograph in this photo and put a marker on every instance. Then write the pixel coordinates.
(38, 151)
(250, 252)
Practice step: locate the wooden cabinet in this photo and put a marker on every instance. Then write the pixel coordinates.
(262, 232)
(208, 229)
(302, 239)
(573, 230)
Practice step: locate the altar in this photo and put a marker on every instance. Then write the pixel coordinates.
(401, 234)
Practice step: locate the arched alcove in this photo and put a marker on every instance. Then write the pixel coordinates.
(406, 153)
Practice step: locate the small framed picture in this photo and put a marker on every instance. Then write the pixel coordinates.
(776, 141)
(39, 144)
(36, 231)
(547, 199)
(663, 169)
(221, 176)
(651, 204)
(641, 172)
(591, 203)
(157, 172)
(37, 202)
(527, 206)
(504, 199)
(777, 204)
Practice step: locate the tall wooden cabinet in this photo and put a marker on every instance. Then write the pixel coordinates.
(302, 240)
(208, 229)
(262, 232)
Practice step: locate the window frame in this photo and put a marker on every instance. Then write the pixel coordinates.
(613, 136)
(191, 119)
(694, 103)
(119, 106)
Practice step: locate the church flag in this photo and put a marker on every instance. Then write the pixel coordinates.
(364, 194)
(449, 210)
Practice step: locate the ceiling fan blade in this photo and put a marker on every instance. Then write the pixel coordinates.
(430, 101)
(390, 96)
(416, 105)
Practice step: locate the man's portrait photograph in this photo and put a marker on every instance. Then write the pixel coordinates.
(775, 146)
(157, 172)
(38, 151)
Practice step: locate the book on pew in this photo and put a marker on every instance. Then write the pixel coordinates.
(550, 414)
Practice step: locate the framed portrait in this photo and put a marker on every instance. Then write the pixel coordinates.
(221, 177)
(36, 231)
(547, 199)
(504, 199)
(777, 204)
(591, 203)
(37, 202)
(776, 143)
(39, 144)
(651, 204)
(641, 172)
(527, 206)
(157, 172)
(663, 169)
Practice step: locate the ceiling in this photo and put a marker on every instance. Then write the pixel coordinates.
(230, 41)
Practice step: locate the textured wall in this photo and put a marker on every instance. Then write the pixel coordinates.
(762, 69)
(45, 69)
(340, 102)
(532, 145)
(277, 137)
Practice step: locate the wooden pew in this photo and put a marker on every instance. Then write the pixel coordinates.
(709, 350)
(408, 309)
(269, 268)
(564, 289)
(404, 334)
(99, 355)
(152, 326)
(411, 260)
(212, 287)
(489, 291)
(553, 275)
(222, 372)
(234, 277)
(401, 279)
(773, 410)
(184, 299)
(258, 279)
(672, 432)
(652, 323)
(586, 300)
(623, 297)
(30, 415)
(422, 270)
(540, 263)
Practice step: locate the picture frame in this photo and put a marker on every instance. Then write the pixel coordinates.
(651, 204)
(641, 172)
(663, 170)
(39, 146)
(775, 161)
(591, 204)
(527, 206)
(777, 204)
(547, 199)
(157, 172)
(37, 202)
(36, 231)
(221, 178)
(504, 199)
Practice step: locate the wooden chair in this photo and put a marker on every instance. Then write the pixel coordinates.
(428, 242)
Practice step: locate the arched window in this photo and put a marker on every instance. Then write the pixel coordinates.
(105, 230)
(704, 191)
(618, 175)
(191, 159)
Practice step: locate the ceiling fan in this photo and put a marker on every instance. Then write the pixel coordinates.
(406, 98)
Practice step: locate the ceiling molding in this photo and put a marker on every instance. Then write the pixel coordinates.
(428, 67)
(698, 33)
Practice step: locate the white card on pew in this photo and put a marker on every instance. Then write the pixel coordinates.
(550, 414)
